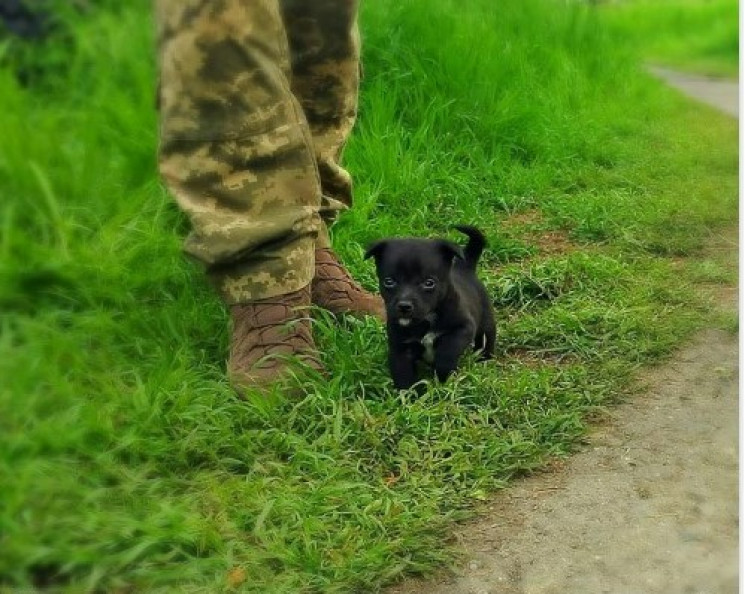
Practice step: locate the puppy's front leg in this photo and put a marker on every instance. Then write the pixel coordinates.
(402, 363)
(449, 349)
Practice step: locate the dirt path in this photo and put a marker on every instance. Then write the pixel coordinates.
(717, 92)
(650, 507)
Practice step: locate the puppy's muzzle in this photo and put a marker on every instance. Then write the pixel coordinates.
(404, 308)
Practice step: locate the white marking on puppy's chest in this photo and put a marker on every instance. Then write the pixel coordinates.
(428, 342)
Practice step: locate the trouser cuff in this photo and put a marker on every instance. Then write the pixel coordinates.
(275, 272)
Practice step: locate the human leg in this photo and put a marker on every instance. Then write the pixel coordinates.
(324, 46)
(236, 154)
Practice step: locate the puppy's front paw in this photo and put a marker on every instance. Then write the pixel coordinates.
(402, 365)
(404, 383)
(444, 372)
(418, 388)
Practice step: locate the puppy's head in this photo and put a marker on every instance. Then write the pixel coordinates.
(414, 276)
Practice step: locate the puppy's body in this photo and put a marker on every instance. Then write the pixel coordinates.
(437, 308)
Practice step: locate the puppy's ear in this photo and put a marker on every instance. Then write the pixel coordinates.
(450, 250)
(376, 249)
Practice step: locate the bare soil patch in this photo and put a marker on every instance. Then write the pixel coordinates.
(529, 226)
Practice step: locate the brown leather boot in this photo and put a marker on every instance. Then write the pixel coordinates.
(335, 290)
(268, 336)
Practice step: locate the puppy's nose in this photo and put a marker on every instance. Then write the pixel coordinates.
(405, 307)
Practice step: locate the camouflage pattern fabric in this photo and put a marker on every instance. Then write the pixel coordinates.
(257, 98)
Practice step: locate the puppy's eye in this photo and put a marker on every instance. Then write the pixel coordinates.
(389, 282)
(429, 284)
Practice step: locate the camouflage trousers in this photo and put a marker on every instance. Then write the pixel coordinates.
(257, 98)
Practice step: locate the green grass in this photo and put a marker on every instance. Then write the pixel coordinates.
(125, 459)
(695, 35)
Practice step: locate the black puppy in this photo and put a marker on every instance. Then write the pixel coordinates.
(436, 306)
